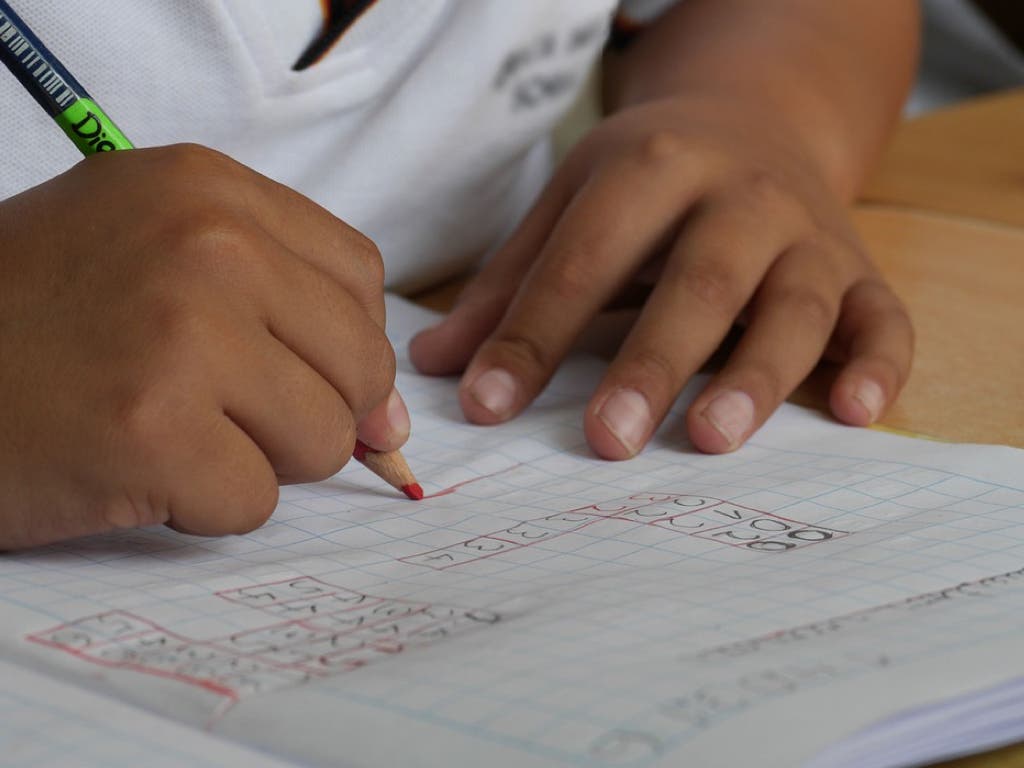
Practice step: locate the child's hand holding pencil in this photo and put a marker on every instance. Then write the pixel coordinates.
(192, 335)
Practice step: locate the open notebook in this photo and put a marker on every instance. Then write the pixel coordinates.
(825, 596)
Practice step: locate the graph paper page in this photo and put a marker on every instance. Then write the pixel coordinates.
(544, 608)
(46, 722)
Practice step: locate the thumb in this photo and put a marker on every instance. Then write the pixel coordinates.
(386, 427)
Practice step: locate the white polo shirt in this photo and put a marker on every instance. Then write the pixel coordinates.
(424, 126)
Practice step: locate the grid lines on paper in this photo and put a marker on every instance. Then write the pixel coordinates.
(604, 596)
(45, 733)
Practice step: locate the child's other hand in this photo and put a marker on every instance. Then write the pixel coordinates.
(737, 224)
(179, 334)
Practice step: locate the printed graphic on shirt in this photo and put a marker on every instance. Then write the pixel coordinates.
(547, 67)
(339, 16)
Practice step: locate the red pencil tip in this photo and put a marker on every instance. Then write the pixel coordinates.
(413, 491)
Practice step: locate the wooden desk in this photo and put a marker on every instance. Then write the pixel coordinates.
(963, 282)
(967, 160)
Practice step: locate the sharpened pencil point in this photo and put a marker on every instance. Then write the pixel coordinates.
(390, 467)
(413, 491)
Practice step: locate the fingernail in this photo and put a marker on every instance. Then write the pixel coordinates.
(627, 415)
(496, 391)
(398, 415)
(731, 414)
(870, 395)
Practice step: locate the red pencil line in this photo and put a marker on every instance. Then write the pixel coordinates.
(456, 487)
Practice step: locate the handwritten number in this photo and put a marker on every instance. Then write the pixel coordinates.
(498, 546)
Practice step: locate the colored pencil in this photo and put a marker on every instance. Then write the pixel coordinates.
(55, 89)
(391, 467)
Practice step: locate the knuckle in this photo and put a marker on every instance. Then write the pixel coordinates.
(189, 161)
(833, 233)
(661, 147)
(365, 248)
(485, 303)
(191, 173)
(844, 250)
(761, 193)
(215, 246)
(215, 240)
(762, 186)
(762, 376)
(712, 283)
(366, 252)
(364, 278)
(654, 367)
(810, 306)
(525, 352)
(490, 288)
(572, 277)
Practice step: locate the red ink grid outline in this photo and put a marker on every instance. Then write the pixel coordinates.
(279, 673)
(626, 513)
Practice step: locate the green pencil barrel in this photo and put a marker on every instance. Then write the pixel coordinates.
(89, 127)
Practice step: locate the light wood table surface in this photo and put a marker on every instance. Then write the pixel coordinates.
(966, 160)
(944, 220)
(963, 283)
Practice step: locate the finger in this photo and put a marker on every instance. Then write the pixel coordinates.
(386, 426)
(878, 338)
(608, 230)
(710, 275)
(208, 477)
(293, 414)
(231, 487)
(447, 347)
(790, 322)
(325, 326)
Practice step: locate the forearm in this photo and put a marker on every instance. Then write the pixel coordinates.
(833, 74)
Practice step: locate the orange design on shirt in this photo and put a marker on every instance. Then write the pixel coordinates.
(339, 16)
